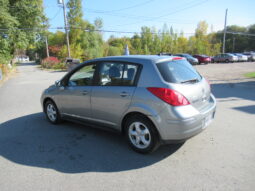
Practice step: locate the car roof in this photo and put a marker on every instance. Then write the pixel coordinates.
(135, 58)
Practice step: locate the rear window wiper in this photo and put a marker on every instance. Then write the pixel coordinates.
(190, 81)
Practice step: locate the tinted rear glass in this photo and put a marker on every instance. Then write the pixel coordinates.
(178, 71)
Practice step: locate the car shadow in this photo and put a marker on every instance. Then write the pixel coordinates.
(71, 148)
(247, 109)
(232, 92)
(27, 64)
(242, 90)
(59, 71)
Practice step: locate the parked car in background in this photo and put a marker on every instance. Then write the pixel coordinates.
(190, 58)
(241, 57)
(22, 58)
(202, 58)
(250, 55)
(227, 57)
(118, 93)
(164, 54)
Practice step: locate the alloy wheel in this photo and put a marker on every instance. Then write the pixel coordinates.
(139, 135)
(51, 112)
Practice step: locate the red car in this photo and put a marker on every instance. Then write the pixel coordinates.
(202, 58)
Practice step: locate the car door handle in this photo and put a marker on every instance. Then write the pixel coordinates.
(84, 92)
(124, 94)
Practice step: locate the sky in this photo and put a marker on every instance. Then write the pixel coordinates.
(182, 15)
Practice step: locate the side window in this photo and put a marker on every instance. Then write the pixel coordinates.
(117, 74)
(129, 74)
(82, 77)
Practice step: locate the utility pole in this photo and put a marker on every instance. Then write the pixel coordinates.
(225, 30)
(47, 47)
(62, 2)
(234, 41)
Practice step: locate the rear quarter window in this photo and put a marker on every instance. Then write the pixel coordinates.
(178, 71)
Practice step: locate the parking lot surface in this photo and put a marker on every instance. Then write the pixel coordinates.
(35, 155)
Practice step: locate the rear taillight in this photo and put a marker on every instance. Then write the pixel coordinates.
(177, 58)
(169, 96)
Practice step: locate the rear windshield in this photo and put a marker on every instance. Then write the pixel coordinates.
(178, 71)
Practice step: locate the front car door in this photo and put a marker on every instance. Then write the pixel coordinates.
(112, 95)
(75, 96)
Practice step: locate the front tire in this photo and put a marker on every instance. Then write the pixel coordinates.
(141, 134)
(52, 112)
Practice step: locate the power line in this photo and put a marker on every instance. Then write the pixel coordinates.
(85, 29)
(130, 7)
(171, 13)
(116, 31)
(140, 17)
(184, 8)
(55, 14)
(240, 33)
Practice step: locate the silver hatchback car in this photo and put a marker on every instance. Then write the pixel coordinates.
(150, 99)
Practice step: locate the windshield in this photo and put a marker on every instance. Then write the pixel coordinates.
(178, 71)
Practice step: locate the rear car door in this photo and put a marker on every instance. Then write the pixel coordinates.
(221, 58)
(112, 94)
(74, 99)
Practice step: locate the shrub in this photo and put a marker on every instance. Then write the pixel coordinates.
(53, 63)
(59, 66)
(49, 62)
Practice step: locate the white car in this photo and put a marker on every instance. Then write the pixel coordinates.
(22, 58)
(241, 57)
(250, 55)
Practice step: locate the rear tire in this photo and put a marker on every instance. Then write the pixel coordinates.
(141, 134)
(51, 112)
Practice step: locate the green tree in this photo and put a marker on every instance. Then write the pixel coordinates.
(7, 24)
(83, 35)
(58, 38)
(75, 20)
(146, 40)
(201, 30)
(29, 15)
(136, 45)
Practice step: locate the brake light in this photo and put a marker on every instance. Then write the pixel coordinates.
(169, 96)
(177, 58)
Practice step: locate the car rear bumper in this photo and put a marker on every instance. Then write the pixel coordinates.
(205, 61)
(234, 59)
(185, 128)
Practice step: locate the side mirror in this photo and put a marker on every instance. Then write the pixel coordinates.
(57, 83)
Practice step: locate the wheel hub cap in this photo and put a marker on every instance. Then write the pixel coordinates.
(139, 135)
(51, 112)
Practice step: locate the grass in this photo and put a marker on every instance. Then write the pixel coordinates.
(250, 75)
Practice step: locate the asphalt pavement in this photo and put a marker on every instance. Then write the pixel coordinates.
(35, 155)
